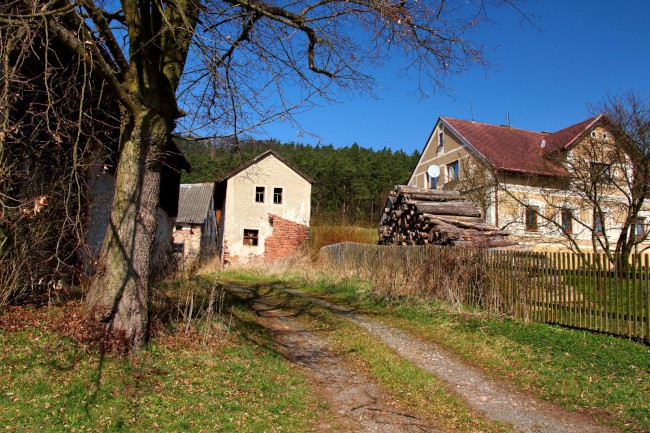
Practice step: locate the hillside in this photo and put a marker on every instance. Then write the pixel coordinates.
(350, 183)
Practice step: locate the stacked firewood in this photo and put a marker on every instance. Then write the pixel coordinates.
(418, 216)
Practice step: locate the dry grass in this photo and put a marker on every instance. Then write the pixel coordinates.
(320, 236)
(458, 277)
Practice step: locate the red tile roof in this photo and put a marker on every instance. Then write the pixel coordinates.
(565, 138)
(519, 150)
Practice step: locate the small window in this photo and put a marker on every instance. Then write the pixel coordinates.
(452, 171)
(178, 227)
(605, 138)
(593, 134)
(566, 216)
(600, 171)
(251, 237)
(531, 218)
(277, 195)
(178, 247)
(640, 228)
(441, 139)
(599, 222)
(259, 194)
(432, 182)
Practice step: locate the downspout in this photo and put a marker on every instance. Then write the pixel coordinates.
(496, 204)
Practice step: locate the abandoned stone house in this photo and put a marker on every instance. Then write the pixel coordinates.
(195, 229)
(529, 182)
(101, 189)
(263, 210)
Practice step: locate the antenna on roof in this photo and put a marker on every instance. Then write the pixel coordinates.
(508, 120)
(471, 110)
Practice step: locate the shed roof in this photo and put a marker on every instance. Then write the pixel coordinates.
(194, 202)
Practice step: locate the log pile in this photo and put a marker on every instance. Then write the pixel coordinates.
(418, 216)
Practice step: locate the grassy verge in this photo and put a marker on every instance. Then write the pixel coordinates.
(409, 387)
(190, 378)
(607, 376)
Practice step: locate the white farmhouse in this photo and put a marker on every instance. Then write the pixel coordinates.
(263, 210)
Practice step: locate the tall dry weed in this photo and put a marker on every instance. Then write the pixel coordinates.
(457, 276)
(320, 236)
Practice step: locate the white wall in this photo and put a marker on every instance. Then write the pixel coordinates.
(242, 212)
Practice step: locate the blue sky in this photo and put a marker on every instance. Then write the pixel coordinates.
(543, 78)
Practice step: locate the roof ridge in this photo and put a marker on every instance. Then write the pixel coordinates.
(258, 158)
(493, 125)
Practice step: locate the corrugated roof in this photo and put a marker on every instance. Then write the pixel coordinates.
(194, 202)
(261, 157)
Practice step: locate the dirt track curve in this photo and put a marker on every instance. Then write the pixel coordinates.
(360, 405)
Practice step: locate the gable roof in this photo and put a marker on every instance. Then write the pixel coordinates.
(567, 137)
(194, 202)
(518, 150)
(259, 158)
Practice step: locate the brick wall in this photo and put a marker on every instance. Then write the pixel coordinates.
(287, 238)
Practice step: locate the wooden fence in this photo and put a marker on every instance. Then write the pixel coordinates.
(586, 292)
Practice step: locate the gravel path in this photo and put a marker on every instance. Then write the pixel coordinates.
(498, 403)
(357, 404)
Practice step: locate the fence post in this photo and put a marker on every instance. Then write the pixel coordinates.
(646, 274)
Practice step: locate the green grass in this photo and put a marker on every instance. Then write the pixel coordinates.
(180, 382)
(408, 387)
(578, 369)
(607, 376)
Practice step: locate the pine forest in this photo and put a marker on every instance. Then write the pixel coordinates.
(350, 183)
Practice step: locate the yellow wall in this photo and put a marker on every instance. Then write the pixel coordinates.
(451, 151)
(550, 194)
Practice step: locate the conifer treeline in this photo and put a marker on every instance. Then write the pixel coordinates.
(350, 183)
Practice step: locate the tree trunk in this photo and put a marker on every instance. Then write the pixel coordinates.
(119, 295)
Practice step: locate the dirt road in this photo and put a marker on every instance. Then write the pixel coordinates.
(360, 405)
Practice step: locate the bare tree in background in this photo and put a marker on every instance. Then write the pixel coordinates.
(227, 63)
(602, 197)
(476, 183)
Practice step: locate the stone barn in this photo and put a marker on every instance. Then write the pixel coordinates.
(263, 210)
(195, 229)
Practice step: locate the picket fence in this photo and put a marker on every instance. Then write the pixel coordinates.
(581, 291)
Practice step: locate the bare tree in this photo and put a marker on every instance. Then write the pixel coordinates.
(54, 121)
(227, 63)
(598, 204)
(476, 182)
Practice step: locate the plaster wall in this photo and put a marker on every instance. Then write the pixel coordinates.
(242, 212)
(451, 150)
